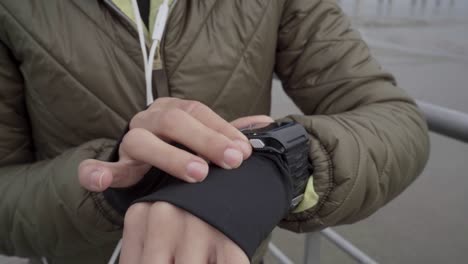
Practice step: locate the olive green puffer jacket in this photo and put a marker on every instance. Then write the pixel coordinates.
(71, 78)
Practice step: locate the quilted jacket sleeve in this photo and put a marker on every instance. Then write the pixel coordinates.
(369, 141)
(43, 210)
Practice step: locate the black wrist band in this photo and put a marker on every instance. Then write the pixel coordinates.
(121, 198)
(245, 203)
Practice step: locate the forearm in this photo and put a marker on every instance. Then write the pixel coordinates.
(362, 159)
(369, 141)
(244, 203)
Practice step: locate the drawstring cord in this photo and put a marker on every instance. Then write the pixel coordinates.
(158, 30)
(148, 61)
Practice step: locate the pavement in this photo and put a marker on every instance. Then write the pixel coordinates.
(428, 223)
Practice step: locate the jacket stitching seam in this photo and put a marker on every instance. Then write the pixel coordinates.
(18, 148)
(241, 56)
(292, 89)
(41, 104)
(358, 167)
(307, 46)
(331, 181)
(49, 55)
(98, 203)
(258, 97)
(310, 40)
(107, 35)
(176, 67)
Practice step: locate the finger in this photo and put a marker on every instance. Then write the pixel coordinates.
(212, 120)
(163, 233)
(94, 176)
(197, 110)
(142, 145)
(134, 233)
(97, 176)
(249, 120)
(206, 116)
(201, 139)
(202, 252)
(195, 253)
(228, 252)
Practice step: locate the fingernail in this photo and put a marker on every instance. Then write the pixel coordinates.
(232, 158)
(196, 171)
(244, 146)
(96, 179)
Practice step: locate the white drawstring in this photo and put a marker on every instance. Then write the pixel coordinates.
(158, 30)
(116, 252)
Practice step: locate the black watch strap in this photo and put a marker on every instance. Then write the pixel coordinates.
(290, 141)
(297, 162)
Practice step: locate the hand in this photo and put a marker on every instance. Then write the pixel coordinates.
(162, 233)
(148, 143)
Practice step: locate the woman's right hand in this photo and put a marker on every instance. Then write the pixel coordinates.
(148, 143)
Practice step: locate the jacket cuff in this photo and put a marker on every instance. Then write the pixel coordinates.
(245, 203)
(107, 211)
(306, 216)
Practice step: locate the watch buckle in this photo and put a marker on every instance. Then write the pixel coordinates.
(296, 200)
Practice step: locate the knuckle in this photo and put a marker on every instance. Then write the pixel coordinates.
(161, 100)
(164, 102)
(193, 106)
(167, 118)
(137, 120)
(227, 251)
(135, 214)
(131, 138)
(229, 130)
(216, 142)
(162, 210)
(162, 206)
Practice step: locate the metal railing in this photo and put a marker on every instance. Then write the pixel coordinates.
(443, 121)
(413, 8)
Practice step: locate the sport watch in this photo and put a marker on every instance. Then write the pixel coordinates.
(290, 141)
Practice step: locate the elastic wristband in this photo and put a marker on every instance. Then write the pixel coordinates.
(122, 198)
(245, 203)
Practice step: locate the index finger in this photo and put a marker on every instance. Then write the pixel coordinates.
(211, 119)
(201, 113)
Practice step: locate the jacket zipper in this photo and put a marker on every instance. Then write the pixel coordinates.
(126, 19)
(131, 24)
(162, 46)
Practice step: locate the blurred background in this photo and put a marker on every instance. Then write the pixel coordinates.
(424, 43)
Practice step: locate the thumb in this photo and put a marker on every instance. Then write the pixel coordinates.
(95, 175)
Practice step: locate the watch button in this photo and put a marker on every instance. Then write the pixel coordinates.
(256, 143)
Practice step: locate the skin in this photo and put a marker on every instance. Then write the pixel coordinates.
(161, 232)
